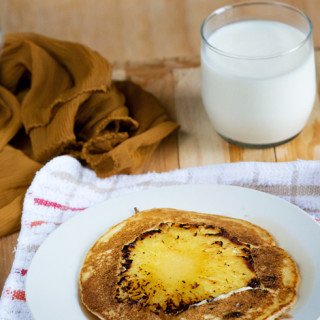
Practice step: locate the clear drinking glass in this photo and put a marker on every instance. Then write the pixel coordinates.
(258, 72)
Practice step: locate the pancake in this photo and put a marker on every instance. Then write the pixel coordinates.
(183, 265)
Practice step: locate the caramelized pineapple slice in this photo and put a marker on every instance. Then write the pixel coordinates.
(178, 265)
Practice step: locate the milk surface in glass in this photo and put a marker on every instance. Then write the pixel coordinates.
(257, 94)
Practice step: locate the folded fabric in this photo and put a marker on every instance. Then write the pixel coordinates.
(63, 189)
(57, 97)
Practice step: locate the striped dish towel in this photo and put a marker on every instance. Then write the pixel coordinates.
(63, 188)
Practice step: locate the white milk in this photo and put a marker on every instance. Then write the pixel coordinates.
(264, 100)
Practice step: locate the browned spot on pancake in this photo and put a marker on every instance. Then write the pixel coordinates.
(233, 315)
(268, 265)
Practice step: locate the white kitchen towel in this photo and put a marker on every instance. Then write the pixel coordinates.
(63, 188)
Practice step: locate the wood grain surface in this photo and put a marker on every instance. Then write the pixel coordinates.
(133, 30)
(156, 44)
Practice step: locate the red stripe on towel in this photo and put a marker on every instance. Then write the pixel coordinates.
(23, 272)
(37, 223)
(19, 295)
(51, 204)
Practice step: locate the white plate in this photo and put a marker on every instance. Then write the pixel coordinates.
(51, 286)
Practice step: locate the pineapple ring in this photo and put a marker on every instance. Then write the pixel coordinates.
(178, 265)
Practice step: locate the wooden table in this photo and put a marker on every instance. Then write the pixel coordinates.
(156, 44)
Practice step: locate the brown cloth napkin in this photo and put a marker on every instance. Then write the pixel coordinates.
(57, 97)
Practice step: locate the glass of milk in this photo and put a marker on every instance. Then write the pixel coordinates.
(258, 72)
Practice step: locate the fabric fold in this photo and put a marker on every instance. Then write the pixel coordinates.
(57, 97)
